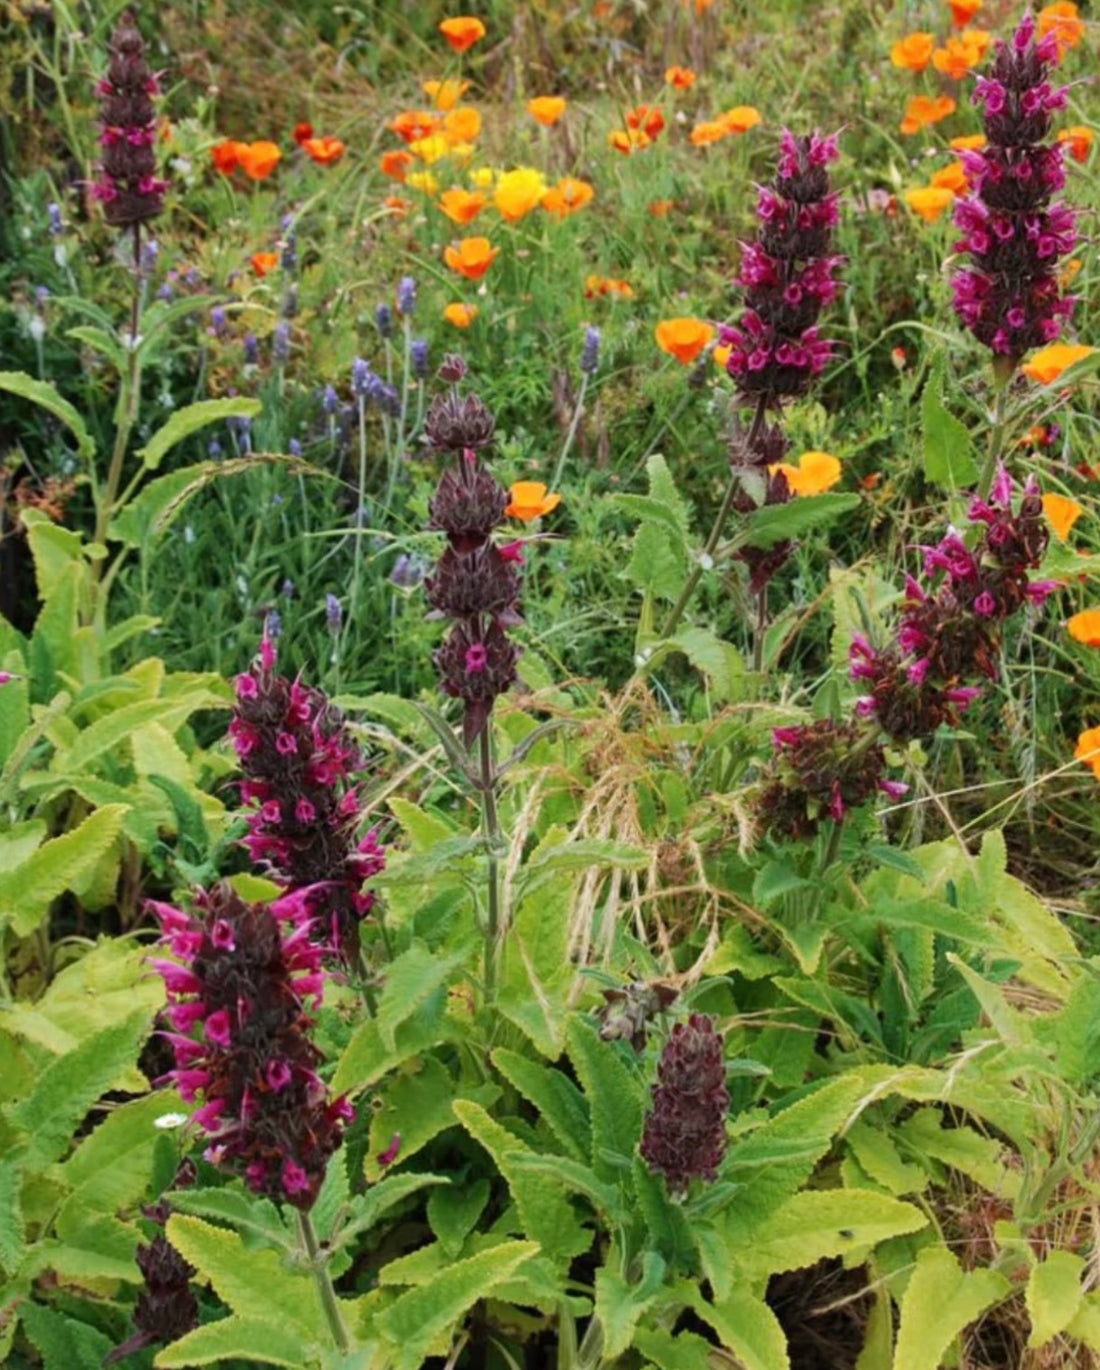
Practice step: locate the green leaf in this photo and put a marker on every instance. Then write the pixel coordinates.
(880, 1158)
(614, 1098)
(1053, 1296)
(190, 419)
(560, 1103)
(620, 1304)
(101, 341)
(110, 1168)
(46, 395)
(246, 1212)
(778, 522)
(367, 1058)
(719, 660)
(659, 557)
(64, 1343)
(411, 979)
(547, 1215)
(13, 1230)
(453, 1211)
(685, 1351)
(248, 1340)
(940, 1300)
(416, 1105)
(747, 1327)
(816, 1224)
(68, 1087)
(949, 456)
(983, 1159)
(413, 1321)
(366, 1209)
(63, 863)
(255, 1284)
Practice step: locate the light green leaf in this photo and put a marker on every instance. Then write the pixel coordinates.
(46, 395)
(101, 341)
(560, 1103)
(717, 659)
(417, 1105)
(63, 863)
(414, 1320)
(748, 1328)
(619, 1304)
(659, 556)
(685, 1351)
(268, 1342)
(190, 419)
(64, 1343)
(614, 1098)
(1053, 1296)
(367, 1058)
(453, 1211)
(950, 459)
(874, 1149)
(777, 522)
(411, 979)
(247, 1213)
(939, 1302)
(366, 1209)
(12, 1227)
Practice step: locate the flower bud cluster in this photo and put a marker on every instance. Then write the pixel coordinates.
(299, 762)
(684, 1136)
(475, 582)
(129, 187)
(787, 276)
(1010, 296)
(238, 987)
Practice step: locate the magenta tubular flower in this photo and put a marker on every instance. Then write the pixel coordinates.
(787, 278)
(475, 582)
(300, 763)
(249, 971)
(129, 188)
(684, 1136)
(819, 770)
(1009, 296)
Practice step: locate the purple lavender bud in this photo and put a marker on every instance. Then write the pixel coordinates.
(273, 625)
(406, 296)
(287, 589)
(166, 292)
(251, 350)
(240, 427)
(150, 251)
(280, 344)
(590, 356)
(684, 1137)
(289, 258)
(418, 353)
(408, 571)
(334, 613)
(383, 317)
(361, 377)
(294, 447)
(290, 302)
(330, 400)
(53, 209)
(214, 449)
(217, 322)
(385, 397)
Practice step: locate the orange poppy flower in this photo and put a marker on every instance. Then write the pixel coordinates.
(462, 206)
(959, 55)
(660, 209)
(567, 196)
(397, 206)
(263, 262)
(929, 201)
(302, 133)
(595, 286)
(517, 192)
(462, 33)
(1079, 140)
(1049, 362)
(530, 501)
(969, 142)
(471, 257)
(1088, 750)
(680, 78)
(683, 338)
(647, 118)
(739, 119)
(413, 124)
(923, 110)
(396, 164)
(1061, 513)
(259, 160)
(546, 109)
(445, 94)
(1061, 19)
(951, 177)
(962, 11)
(709, 131)
(1085, 627)
(461, 315)
(324, 151)
(628, 140)
(913, 52)
(815, 473)
(461, 125)
(226, 155)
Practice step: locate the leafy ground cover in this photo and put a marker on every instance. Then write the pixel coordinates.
(548, 677)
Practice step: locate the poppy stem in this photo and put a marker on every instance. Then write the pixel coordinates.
(578, 410)
(705, 560)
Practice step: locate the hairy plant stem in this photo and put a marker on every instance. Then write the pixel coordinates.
(324, 1283)
(761, 624)
(706, 557)
(127, 415)
(360, 496)
(578, 410)
(490, 826)
(1003, 369)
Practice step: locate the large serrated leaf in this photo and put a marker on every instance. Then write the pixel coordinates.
(1054, 1294)
(46, 395)
(620, 1304)
(748, 1328)
(63, 1343)
(949, 456)
(717, 659)
(411, 979)
(12, 1227)
(248, 1340)
(940, 1300)
(191, 419)
(63, 863)
(614, 1098)
(779, 522)
(560, 1103)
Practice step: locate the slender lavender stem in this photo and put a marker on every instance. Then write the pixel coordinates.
(578, 410)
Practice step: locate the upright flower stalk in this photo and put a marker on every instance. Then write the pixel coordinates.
(300, 764)
(776, 351)
(1014, 233)
(476, 585)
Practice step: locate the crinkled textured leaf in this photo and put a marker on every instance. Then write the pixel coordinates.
(939, 1302)
(1053, 1296)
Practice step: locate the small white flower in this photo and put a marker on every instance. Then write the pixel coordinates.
(167, 1121)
